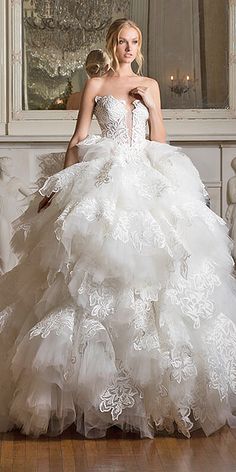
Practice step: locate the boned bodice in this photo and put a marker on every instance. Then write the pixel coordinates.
(126, 125)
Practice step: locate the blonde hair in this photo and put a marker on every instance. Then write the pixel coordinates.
(112, 38)
(96, 63)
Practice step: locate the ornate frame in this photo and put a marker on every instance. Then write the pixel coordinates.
(3, 90)
(192, 124)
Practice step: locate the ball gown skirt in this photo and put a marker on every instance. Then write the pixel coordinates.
(122, 308)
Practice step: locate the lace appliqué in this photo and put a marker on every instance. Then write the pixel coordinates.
(57, 321)
(65, 177)
(192, 295)
(59, 224)
(93, 210)
(202, 410)
(85, 330)
(140, 229)
(150, 292)
(120, 394)
(144, 322)
(180, 363)
(221, 353)
(4, 316)
(136, 227)
(89, 208)
(151, 186)
(197, 209)
(103, 176)
(101, 297)
(101, 300)
(111, 114)
(89, 329)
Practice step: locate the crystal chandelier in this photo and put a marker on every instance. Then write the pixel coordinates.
(70, 23)
(59, 34)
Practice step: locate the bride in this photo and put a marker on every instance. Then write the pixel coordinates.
(122, 308)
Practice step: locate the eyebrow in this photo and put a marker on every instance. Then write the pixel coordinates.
(136, 37)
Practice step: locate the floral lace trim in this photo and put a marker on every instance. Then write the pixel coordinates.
(197, 209)
(56, 321)
(94, 210)
(137, 227)
(220, 342)
(129, 226)
(179, 361)
(192, 295)
(4, 317)
(89, 329)
(150, 292)
(144, 322)
(103, 177)
(120, 394)
(85, 330)
(66, 176)
(149, 186)
(101, 297)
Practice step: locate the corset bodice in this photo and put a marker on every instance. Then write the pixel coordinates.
(126, 125)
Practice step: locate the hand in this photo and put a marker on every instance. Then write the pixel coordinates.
(45, 202)
(145, 94)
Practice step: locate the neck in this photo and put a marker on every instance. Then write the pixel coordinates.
(124, 70)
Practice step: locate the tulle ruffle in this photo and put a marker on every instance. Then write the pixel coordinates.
(122, 308)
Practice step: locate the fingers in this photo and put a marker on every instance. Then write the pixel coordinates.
(140, 90)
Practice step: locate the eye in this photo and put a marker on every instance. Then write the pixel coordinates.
(121, 41)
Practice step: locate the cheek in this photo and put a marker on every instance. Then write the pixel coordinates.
(119, 48)
(120, 51)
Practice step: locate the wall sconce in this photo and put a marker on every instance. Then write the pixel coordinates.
(180, 86)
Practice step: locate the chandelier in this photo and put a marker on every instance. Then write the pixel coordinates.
(181, 85)
(58, 35)
(68, 24)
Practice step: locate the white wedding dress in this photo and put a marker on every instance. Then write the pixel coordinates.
(122, 309)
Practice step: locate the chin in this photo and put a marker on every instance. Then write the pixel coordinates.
(128, 59)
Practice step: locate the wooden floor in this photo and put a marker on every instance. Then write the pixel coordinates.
(119, 452)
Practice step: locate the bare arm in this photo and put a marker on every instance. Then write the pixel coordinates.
(157, 130)
(80, 133)
(83, 122)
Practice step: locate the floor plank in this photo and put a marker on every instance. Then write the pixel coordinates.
(6, 459)
(119, 452)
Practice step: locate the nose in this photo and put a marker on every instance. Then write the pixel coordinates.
(127, 47)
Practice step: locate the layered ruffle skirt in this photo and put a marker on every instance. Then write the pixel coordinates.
(122, 308)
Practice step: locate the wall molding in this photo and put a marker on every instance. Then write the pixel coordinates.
(3, 79)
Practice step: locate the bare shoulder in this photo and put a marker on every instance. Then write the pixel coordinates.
(93, 85)
(149, 82)
(154, 88)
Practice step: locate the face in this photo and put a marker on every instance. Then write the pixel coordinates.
(127, 46)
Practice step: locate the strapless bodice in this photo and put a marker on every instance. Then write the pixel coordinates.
(124, 123)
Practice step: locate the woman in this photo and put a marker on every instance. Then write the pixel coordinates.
(96, 64)
(121, 310)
